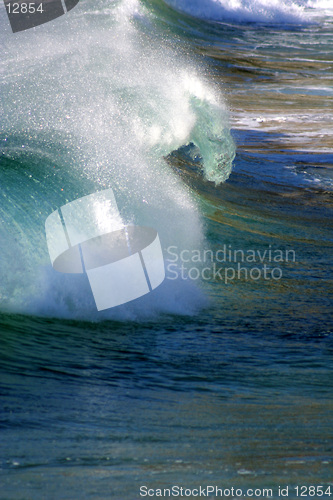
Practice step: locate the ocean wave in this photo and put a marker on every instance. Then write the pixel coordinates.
(99, 105)
(263, 11)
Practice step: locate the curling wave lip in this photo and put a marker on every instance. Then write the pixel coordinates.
(26, 15)
(122, 262)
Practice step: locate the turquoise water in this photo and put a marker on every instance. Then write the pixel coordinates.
(212, 125)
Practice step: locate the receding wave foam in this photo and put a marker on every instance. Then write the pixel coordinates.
(265, 11)
(99, 105)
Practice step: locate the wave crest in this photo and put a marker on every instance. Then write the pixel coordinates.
(264, 11)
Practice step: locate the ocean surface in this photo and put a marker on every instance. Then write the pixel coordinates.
(212, 121)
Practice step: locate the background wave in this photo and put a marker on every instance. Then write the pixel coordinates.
(265, 11)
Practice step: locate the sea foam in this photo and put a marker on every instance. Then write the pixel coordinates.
(263, 11)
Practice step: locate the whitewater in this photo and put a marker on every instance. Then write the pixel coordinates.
(262, 11)
(94, 109)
